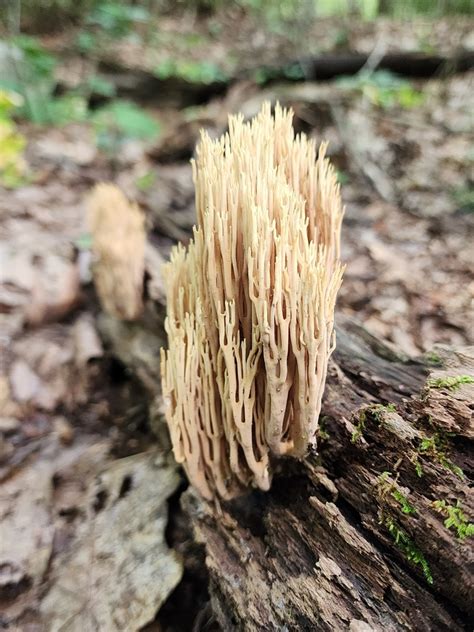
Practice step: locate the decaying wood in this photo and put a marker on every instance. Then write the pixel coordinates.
(405, 63)
(353, 538)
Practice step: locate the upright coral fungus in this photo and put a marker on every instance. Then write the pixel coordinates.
(251, 304)
(118, 244)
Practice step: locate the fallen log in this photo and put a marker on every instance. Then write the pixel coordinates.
(139, 81)
(406, 64)
(372, 531)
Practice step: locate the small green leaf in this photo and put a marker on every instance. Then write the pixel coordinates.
(101, 86)
(68, 109)
(125, 120)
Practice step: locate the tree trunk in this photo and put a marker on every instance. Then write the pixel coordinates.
(372, 531)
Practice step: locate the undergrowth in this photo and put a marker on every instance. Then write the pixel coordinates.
(456, 519)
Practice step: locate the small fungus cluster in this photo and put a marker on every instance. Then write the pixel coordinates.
(250, 303)
(118, 245)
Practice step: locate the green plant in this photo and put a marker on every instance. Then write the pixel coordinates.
(402, 500)
(464, 198)
(29, 72)
(67, 109)
(95, 84)
(416, 462)
(12, 143)
(40, 62)
(376, 412)
(436, 447)
(117, 19)
(359, 429)
(293, 71)
(450, 383)
(431, 357)
(408, 547)
(323, 434)
(386, 485)
(342, 177)
(206, 72)
(456, 519)
(383, 88)
(122, 120)
(31, 75)
(86, 42)
(407, 8)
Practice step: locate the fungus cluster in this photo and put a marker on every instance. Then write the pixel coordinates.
(250, 303)
(118, 244)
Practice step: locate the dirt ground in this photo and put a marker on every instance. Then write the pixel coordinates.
(74, 513)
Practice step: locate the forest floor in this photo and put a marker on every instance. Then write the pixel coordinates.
(71, 514)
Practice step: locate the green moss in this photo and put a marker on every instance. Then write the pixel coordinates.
(377, 409)
(383, 484)
(387, 486)
(402, 500)
(376, 412)
(435, 447)
(429, 444)
(418, 467)
(431, 357)
(408, 547)
(323, 434)
(451, 383)
(456, 519)
(359, 429)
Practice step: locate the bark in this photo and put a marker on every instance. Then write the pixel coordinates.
(351, 539)
(354, 537)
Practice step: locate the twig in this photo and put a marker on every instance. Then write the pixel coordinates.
(374, 59)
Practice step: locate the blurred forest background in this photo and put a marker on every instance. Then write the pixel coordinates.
(94, 90)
